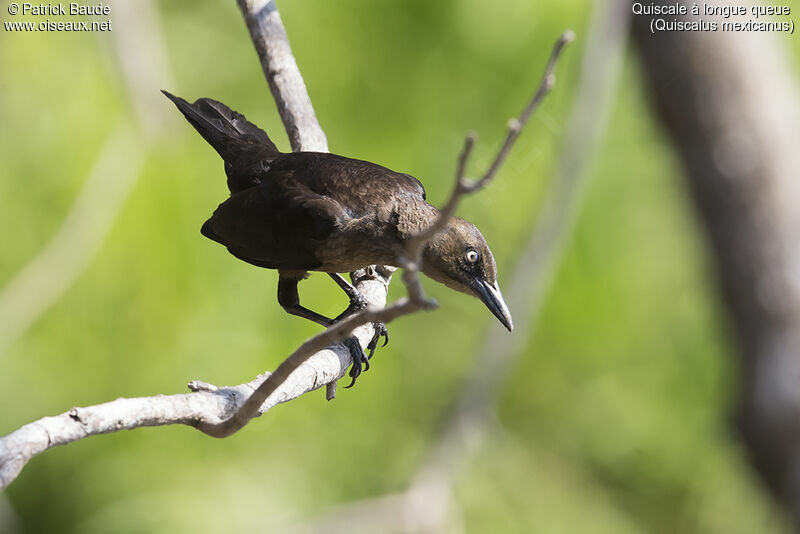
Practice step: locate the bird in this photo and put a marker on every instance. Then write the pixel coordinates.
(301, 212)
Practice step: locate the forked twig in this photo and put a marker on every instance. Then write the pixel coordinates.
(416, 297)
(221, 411)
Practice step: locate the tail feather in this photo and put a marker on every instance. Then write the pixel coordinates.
(239, 142)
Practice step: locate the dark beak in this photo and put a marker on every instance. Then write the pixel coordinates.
(491, 296)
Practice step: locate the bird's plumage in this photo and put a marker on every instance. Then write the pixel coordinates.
(242, 145)
(315, 211)
(309, 211)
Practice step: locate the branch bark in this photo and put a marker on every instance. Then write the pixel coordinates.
(206, 407)
(732, 110)
(294, 105)
(417, 300)
(220, 412)
(426, 505)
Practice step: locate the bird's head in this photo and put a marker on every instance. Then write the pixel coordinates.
(459, 258)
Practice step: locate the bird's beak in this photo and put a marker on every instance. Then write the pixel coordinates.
(491, 296)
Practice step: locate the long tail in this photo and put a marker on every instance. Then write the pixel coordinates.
(240, 143)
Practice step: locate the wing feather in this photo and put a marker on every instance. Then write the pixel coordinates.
(275, 225)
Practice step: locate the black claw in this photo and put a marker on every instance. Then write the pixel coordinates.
(380, 331)
(385, 335)
(360, 360)
(353, 376)
(360, 357)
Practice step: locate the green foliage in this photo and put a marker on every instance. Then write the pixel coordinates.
(617, 417)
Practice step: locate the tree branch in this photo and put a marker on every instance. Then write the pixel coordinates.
(220, 412)
(283, 75)
(206, 407)
(426, 504)
(416, 296)
(515, 126)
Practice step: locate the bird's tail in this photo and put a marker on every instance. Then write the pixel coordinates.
(229, 132)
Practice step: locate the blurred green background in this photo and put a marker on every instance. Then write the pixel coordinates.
(616, 418)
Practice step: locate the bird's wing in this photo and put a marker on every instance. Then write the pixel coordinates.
(277, 224)
(360, 187)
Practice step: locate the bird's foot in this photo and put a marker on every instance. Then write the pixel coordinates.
(380, 331)
(358, 302)
(360, 359)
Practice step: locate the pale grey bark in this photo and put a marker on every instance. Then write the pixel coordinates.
(321, 360)
(294, 105)
(532, 277)
(732, 109)
(410, 262)
(207, 405)
(426, 505)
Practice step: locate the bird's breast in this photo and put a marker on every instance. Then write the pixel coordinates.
(357, 244)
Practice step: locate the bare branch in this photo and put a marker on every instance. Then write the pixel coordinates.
(283, 75)
(462, 185)
(294, 106)
(417, 299)
(220, 412)
(533, 273)
(208, 408)
(515, 126)
(426, 505)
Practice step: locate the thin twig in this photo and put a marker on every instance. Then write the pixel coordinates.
(416, 297)
(231, 415)
(533, 273)
(462, 185)
(426, 502)
(515, 126)
(325, 366)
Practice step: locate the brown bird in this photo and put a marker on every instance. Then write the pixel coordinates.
(310, 211)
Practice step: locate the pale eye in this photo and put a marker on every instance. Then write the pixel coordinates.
(472, 256)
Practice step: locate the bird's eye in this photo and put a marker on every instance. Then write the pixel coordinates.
(472, 256)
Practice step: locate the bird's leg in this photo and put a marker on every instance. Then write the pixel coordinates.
(289, 299)
(359, 302)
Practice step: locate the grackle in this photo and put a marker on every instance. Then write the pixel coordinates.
(310, 211)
